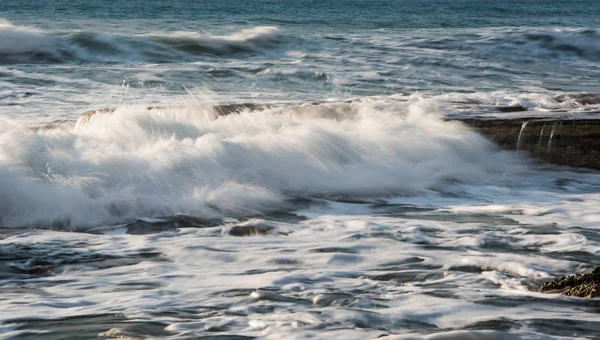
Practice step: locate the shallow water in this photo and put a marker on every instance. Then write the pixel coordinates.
(279, 169)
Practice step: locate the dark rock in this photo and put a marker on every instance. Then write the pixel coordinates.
(574, 142)
(582, 285)
(251, 230)
(516, 108)
(141, 227)
(226, 109)
(219, 110)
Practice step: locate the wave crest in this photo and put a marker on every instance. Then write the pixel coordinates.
(16, 40)
(137, 162)
(252, 39)
(20, 43)
(584, 43)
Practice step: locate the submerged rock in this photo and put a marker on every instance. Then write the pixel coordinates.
(251, 230)
(516, 108)
(582, 285)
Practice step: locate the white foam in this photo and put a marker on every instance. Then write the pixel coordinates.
(136, 162)
(254, 34)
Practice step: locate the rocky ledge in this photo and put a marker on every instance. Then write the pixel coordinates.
(583, 285)
(573, 142)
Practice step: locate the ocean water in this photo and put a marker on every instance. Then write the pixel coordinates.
(290, 169)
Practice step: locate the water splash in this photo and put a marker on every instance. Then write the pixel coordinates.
(520, 136)
(551, 135)
(539, 146)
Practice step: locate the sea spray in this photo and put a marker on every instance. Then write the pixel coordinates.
(139, 162)
(523, 126)
(539, 145)
(554, 124)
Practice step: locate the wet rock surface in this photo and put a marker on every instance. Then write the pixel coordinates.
(585, 285)
(574, 142)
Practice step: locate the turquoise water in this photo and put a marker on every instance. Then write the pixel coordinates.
(339, 15)
(287, 169)
(263, 51)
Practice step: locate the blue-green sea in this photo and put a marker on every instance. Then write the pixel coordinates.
(257, 169)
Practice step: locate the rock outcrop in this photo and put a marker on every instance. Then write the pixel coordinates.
(574, 142)
(583, 285)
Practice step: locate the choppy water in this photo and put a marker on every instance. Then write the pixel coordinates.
(337, 202)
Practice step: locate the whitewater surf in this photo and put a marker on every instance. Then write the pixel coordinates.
(294, 170)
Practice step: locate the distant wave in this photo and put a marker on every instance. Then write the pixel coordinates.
(253, 39)
(585, 43)
(15, 40)
(512, 43)
(519, 43)
(27, 44)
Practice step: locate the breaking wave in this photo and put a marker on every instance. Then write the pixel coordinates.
(15, 40)
(27, 44)
(134, 162)
(557, 43)
(584, 43)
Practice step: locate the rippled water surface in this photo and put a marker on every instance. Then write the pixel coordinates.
(291, 169)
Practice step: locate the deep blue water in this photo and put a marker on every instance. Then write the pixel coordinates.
(304, 50)
(346, 14)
